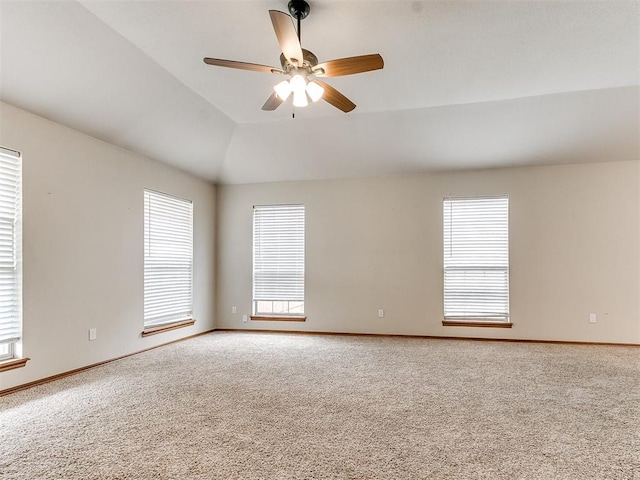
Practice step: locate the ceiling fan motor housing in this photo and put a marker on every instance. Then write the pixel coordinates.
(309, 61)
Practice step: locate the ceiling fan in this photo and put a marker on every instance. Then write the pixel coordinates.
(301, 66)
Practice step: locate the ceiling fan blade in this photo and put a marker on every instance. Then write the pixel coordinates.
(287, 36)
(335, 98)
(254, 67)
(349, 65)
(273, 102)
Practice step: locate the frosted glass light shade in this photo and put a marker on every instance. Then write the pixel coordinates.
(315, 91)
(300, 98)
(298, 84)
(283, 89)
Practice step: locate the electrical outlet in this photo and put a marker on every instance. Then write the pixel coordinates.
(245, 318)
(381, 313)
(234, 309)
(592, 318)
(93, 333)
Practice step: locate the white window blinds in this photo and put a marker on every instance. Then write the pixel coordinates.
(278, 253)
(168, 258)
(476, 258)
(10, 247)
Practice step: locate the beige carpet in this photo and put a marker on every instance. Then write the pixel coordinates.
(277, 406)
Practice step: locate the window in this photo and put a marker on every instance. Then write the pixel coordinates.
(6, 351)
(10, 254)
(476, 259)
(168, 259)
(278, 260)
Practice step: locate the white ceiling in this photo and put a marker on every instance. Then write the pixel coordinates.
(465, 84)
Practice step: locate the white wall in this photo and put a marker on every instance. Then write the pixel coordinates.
(371, 243)
(83, 246)
(377, 243)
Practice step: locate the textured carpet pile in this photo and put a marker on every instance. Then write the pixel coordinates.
(277, 406)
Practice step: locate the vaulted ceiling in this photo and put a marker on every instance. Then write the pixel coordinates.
(465, 84)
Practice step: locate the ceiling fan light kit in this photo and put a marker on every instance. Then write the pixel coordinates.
(315, 91)
(301, 65)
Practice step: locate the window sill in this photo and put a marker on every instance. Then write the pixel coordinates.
(14, 363)
(275, 318)
(165, 328)
(476, 323)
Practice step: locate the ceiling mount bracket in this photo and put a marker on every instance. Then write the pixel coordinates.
(299, 9)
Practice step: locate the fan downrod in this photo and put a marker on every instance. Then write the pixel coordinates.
(299, 9)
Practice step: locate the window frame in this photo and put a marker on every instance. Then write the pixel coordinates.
(13, 348)
(502, 254)
(171, 262)
(288, 212)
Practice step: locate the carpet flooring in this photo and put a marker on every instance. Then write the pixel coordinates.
(233, 405)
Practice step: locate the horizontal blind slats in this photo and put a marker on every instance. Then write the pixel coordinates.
(476, 257)
(168, 258)
(278, 252)
(10, 213)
